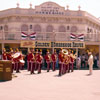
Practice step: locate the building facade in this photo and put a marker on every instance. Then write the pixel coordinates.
(51, 22)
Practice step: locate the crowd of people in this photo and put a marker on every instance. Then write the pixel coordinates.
(64, 60)
(36, 61)
(82, 61)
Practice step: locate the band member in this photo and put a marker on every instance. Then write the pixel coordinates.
(54, 59)
(10, 57)
(29, 60)
(67, 61)
(17, 62)
(61, 62)
(71, 61)
(32, 59)
(22, 62)
(39, 61)
(4, 55)
(48, 60)
(36, 59)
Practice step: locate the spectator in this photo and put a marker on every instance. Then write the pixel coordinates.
(78, 62)
(95, 61)
(83, 60)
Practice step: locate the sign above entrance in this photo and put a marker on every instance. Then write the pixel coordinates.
(42, 44)
(28, 44)
(49, 44)
(68, 44)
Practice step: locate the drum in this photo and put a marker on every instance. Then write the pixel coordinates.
(16, 56)
(22, 61)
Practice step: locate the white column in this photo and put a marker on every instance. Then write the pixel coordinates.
(2, 47)
(76, 57)
(99, 56)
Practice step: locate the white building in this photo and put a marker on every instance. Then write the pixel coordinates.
(51, 22)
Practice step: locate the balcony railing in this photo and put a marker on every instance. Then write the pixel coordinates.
(50, 36)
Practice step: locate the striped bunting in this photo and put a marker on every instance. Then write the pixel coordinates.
(24, 35)
(81, 37)
(33, 36)
(72, 36)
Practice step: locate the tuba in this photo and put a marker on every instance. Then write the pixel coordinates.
(64, 51)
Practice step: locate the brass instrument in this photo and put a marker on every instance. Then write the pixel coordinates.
(64, 51)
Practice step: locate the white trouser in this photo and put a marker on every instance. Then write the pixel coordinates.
(90, 69)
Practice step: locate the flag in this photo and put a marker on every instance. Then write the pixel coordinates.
(73, 36)
(81, 37)
(24, 35)
(33, 36)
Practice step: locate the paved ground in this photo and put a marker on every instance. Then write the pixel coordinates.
(48, 86)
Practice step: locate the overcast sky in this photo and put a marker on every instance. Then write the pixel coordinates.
(91, 6)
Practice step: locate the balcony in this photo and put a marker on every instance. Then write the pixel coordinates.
(50, 36)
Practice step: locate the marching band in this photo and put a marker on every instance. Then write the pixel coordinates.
(35, 60)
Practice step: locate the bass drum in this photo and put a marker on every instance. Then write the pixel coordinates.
(16, 56)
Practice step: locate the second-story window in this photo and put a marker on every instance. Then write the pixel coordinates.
(30, 26)
(1, 27)
(88, 30)
(68, 27)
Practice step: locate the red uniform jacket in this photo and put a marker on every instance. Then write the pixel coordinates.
(36, 57)
(9, 56)
(30, 56)
(4, 56)
(47, 58)
(54, 57)
(71, 60)
(39, 58)
(60, 57)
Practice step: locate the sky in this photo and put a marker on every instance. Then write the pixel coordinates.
(91, 6)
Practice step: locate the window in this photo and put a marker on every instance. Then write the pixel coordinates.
(62, 29)
(37, 28)
(24, 27)
(68, 27)
(30, 26)
(6, 28)
(74, 29)
(88, 30)
(49, 28)
(1, 27)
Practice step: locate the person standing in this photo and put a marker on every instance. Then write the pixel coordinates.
(17, 62)
(61, 62)
(36, 59)
(32, 61)
(71, 61)
(78, 62)
(90, 62)
(4, 54)
(48, 60)
(39, 61)
(54, 59)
